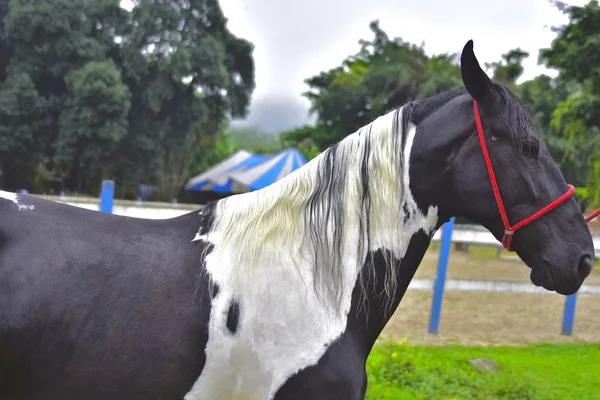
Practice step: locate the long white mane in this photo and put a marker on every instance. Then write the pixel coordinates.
(354, 194)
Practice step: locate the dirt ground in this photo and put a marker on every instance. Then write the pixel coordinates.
(491, 318)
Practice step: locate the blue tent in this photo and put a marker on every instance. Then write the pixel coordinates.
(245, 171)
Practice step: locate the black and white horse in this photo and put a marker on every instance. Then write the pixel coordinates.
(279, 293)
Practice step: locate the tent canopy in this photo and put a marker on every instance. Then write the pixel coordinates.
(244, 171)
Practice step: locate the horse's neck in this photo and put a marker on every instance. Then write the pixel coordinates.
(325, 218)
(371, 317)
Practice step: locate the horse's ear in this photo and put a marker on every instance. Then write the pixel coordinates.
(476, 81)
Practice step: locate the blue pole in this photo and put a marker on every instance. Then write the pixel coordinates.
(106, 196)
(438, 289)
(569, 314)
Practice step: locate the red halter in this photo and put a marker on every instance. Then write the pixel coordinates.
(509, 231)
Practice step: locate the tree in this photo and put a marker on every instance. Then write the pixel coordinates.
(24, 119)
(548, 100)
(5, 46)
(302, 139)
(442, 74)
(385, 74)
(575, 53)
(510, 68)
(188, 74)
(90, 90)
(93, 122)
(52, 43)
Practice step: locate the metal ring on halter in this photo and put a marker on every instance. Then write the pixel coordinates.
(509, 233)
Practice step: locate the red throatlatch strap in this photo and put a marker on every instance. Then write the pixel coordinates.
(592, 215)
(509, 230)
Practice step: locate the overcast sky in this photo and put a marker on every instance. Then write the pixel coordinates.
(296, 39)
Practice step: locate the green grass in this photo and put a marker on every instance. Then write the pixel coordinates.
(476, 250)
(545, 371)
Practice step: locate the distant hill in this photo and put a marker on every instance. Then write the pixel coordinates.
(276, 114)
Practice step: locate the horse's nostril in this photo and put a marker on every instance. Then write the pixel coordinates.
(586, 263)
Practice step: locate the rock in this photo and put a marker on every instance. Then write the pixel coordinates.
(484, 363)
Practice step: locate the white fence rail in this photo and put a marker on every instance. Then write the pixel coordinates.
(128, 208)
(466, 285)
(475, 234)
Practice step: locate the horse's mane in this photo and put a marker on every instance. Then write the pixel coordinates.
(306, 214)
(523, 132)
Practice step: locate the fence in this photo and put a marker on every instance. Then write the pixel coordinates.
(462, 236)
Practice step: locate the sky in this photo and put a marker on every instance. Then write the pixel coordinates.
(295, 40)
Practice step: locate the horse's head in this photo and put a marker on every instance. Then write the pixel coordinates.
(557, 246)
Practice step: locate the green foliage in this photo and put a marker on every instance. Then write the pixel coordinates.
(95, 118)
(214, 150)
(388, 73)
(398, 371)
(442, 74)
(302, 139)
(24, 120)
(548, 102)
(579, 141)
(575, 52)
(510, 68)
(111, 93)
(217, 148)
(253, 140)
(191, 75)
(385, 74)
(22, 115)
(90, 90)
(51, 38)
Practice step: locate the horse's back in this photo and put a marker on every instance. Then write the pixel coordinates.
(96, 305)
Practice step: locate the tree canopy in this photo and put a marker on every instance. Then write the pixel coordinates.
(387, 73)
(575, 53)
(89, 90)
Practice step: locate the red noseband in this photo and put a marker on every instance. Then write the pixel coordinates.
(509, 230)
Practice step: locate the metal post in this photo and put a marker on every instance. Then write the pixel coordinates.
(569, 314)
(106, 196)
(438, 288)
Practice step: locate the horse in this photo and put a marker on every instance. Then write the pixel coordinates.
(279, 293)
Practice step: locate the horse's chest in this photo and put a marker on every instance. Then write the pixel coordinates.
(261, 337)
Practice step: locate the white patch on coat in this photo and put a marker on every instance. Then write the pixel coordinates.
(15, 199)
(283, 327)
